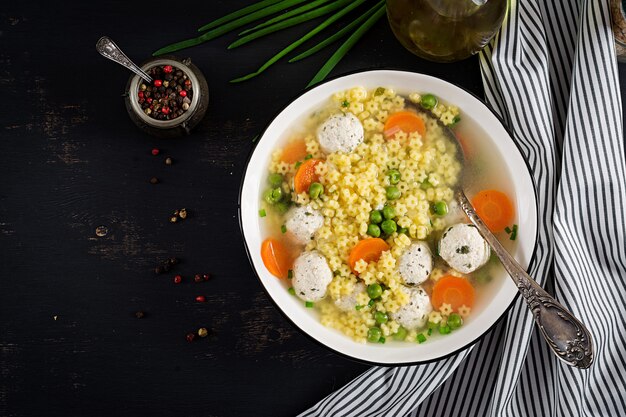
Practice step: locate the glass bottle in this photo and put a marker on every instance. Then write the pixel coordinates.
(445, 30)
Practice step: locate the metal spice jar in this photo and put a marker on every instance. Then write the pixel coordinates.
(174, 103)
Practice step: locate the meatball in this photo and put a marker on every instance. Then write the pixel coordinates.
(340, 133)
(414, 314)
(348, 302)
(311, 276)
(463, 248)
(416, 263)
(302, 223)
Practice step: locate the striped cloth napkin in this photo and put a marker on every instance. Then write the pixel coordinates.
(551, 74)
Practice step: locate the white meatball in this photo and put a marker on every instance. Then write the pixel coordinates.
(302, 223)
(342, 132)
(311, 276)
(463, 248)
(349, 302)
(414, 314)
(416, 263)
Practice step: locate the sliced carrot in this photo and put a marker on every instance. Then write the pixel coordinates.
(368, 249)
(452, 290)
(405, 121)
(276, 258)
(305, 176)
(494, 208)
(294, 151)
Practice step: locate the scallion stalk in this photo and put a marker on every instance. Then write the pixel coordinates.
(238, 13)
(286, 15)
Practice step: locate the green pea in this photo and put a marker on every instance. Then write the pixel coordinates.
(445, 329)
(374, 290)
(455, 321)
(440, 208)
(315, 190)
(428, 101)
(381, 317)
(425, 185)
(275, 180)
(373, 230)
(374, 334)
(393, 193)
(394, 176)
(274, 195)
(389, 226)
(400, 334)
(376, 216)
(432, 325)
(389, 212)
(267, 196)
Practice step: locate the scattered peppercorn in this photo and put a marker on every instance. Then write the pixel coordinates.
(173, 219)
(101, 231)
(182, 213)
(155, 151)
(166, 265)
(168, 161)
(190, 337)
(206, 277)
(154, 180)
(140, 314)
(201, 299)
(203, 332)
(197, 278)
(178, 279)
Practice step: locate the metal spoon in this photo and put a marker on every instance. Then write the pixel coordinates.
(568, 338)
(108, 49)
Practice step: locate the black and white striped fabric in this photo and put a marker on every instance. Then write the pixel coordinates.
(551, 74)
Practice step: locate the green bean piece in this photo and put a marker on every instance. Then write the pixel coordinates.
(340, 34)
(389, 226)
(286, 15)
(373, 230)
(393, 193)
(400, 335)
(316, 190)
(389, 212)
(374, 291)
(376, 216)
(354, 4)
(275, 180)
(394, 176)
(455, 321)
(440, 208)
(381, 317)
(346, 46)
(219, 31)
(241, 12)
(374, 334)
(428, 101)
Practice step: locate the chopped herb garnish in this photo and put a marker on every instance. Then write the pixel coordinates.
(381, 340)
(290, 274)
(379, 91)
(358, 307)
(291, 291)
(345, 103)
(309, 156)
(421, 338)
(507, 230)
(283, 228)
(254, 139)
(514, 232)
(430, 332)
(425, 185)
(463, 249)
(371, 303)
(298, 164)
(309, 304)
(262, 213)
(456, 120)
(306, 213)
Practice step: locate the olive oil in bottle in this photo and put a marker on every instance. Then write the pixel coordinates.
(445, 30)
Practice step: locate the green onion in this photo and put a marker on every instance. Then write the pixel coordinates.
(298, 164)
(425, 185)
(219, 31)
(340, 34)
(309, 304)
(380, 90)
(289, 23)
(290, 274)
(286, 15)
(346, 46)
(358, 307)
(371, 303)
(262, 213)
(400, 334)
(514, 232)
(309, 156)
(429, 332)
(354, 4)
(421, 338)
(507, 230)
(291, 291)
(283, 228)
(345, 103)
(382, 340)
(241, 12)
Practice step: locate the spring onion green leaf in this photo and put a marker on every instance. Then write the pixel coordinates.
(291, 291)
(309, 304)
(289, 23)
(507, 230)
(514, 233)
(262, 213)
(346, 46)
(283, 228)
(287, 15)
(421, 338)
(290, 274)
(241, 12)
(340, 34)
(354, 4)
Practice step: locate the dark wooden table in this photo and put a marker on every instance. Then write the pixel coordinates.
(70, 344)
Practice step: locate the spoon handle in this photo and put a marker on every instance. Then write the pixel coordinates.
(566, 335)
(108, 49)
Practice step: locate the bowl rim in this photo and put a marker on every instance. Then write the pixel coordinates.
(258, 138)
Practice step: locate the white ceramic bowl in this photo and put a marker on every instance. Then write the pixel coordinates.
(475, 113)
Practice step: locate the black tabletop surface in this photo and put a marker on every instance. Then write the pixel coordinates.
(70, 342)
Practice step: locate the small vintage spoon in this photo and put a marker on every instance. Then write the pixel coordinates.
(108, 49)
(568, 338)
